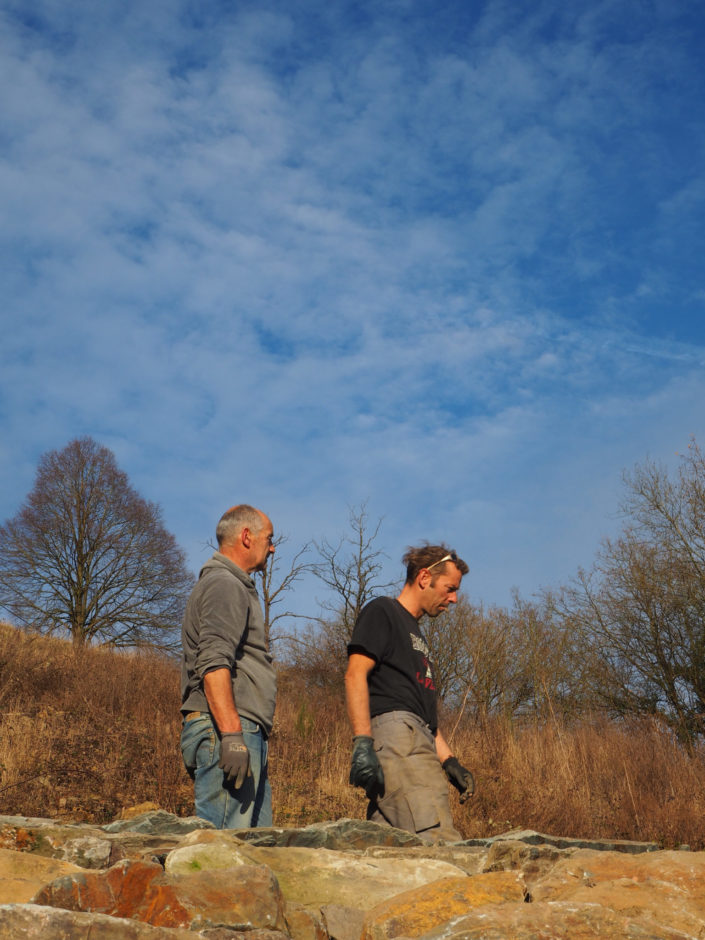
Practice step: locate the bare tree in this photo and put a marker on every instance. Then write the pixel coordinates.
(640, 611)
(272, 588)
(350, 569)
(543, 649)
(88, 557)
(478, 659)
(493, 661)
(447, 638)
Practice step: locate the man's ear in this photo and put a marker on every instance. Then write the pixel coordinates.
(424, 578)
(245, 537)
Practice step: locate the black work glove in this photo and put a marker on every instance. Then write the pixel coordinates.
(461, 778)
(365, 769)
(234, 758)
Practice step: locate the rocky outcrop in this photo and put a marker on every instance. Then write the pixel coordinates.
(34, 922)
(155, 876)
(415, 913)
(150, 836)
(198, 899)
(22, 874)
(312, 877)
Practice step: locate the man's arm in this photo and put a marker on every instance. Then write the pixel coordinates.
(357, 694)
(218, 687)
(222, 620)
(365, 769)
(442, 749)
(234, 756)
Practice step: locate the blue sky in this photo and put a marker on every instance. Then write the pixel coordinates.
(442, 258)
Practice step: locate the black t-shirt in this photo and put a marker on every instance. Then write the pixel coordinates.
(402, 678)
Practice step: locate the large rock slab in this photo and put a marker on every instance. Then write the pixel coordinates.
(550, 921)
(308, 876)
(470, 859)
(243, 900)
(414, 913)
(34, 922)
(304, 924)
(339, 834)
(531, 837)
(534, 861)
(83, 845)
(158, 823)
(660, 889)
(22, 875)
(89, 846)
(214, 853)
(343, 923)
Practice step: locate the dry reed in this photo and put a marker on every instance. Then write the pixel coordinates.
(86, 732)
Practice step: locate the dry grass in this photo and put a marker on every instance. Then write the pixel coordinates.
(595, 779)
(84, 733)
(310, 757)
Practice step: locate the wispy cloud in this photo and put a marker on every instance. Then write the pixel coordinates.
(441, 259)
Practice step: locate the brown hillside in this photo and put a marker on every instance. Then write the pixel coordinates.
(86, 732)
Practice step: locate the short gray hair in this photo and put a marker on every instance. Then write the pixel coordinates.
(234, 520)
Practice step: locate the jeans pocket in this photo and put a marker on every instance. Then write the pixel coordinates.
(198, 742)
(249, 726)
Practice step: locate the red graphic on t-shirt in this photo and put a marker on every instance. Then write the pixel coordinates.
(427, 680)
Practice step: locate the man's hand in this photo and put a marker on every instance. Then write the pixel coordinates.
(234, 758)
(461, 778)
(365, 769)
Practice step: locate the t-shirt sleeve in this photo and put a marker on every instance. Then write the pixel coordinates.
(371, 633)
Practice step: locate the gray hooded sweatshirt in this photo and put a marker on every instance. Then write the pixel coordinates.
(224, 628)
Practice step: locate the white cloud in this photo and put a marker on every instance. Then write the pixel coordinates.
(325, 259)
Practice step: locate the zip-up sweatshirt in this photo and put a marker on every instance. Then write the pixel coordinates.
(224, 628)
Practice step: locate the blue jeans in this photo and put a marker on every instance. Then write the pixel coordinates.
(216, 799)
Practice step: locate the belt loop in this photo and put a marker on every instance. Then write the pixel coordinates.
(189, 716)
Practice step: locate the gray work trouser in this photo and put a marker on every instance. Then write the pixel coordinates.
(415, 787)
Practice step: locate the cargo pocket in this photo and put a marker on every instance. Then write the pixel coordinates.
(414, 811)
